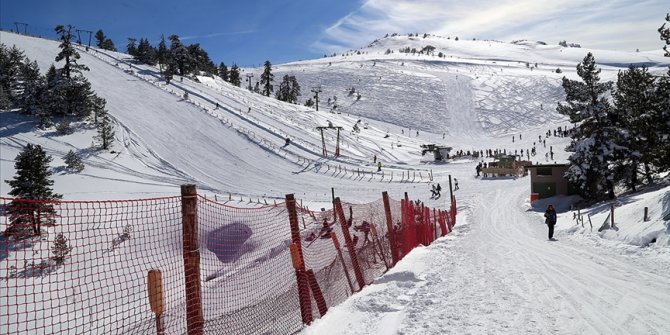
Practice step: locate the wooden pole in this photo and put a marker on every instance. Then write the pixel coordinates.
(451, 192)
(155, 289)
(612, 214)
(336, 243)
(332, 193)
(337, 144)
(390, 228)
(323, 143)
(299, 261)
(350, 246)
(646, 214)
(375, 236)
(189, 205)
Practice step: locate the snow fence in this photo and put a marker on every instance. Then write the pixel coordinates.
(186, 264)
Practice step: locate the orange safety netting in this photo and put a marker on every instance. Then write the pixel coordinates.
(191, 265)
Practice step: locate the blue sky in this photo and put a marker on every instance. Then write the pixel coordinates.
(250, 32)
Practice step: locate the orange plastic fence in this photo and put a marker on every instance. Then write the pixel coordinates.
(89, 267)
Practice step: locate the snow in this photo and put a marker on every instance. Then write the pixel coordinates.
(496, 274)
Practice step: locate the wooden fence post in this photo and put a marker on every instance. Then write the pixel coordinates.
(299, 262)
(350, 246)
(390, 228)
(189, 212)
(336, 243)
(316, 292)
(646, 214)
(155, 289)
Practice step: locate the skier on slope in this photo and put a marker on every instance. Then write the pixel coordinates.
(550, 220)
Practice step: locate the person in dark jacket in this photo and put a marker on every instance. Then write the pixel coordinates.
(550, 220)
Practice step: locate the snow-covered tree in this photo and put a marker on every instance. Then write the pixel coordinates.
(68, 53)
(145, 52)
(587, 106)
(73, 162)
(60, 249)
(289, 89)
(105, 130)
(32, 181)
(103, 42)
(665, 35)
(638, 115)
(34, 85)
(131, 46)
(161, 54)
(266, 79)
(223, 71)
(234, 75)
(180, 55)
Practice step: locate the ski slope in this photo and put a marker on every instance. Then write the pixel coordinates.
(496, 275)
(500, 275)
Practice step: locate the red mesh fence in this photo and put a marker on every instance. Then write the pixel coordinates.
(84, 267)
(81, 267)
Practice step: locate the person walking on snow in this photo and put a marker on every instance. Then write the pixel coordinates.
(433, 191)
(550, 220)
(455, 184)
(374, 159)
(379, 166)
(438, 189)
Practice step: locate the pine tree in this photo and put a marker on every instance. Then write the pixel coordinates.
(660, 157)
(11, 67)
(266, 78)
(588, 108)
(145, 53)
(73, 162)
(34, 86)
(70, 92)
(98, 108)
(60, 249)
(108, 44)
(99, 38)
(161, 54)
(64, 127)
(637, 115)
(665, 35)
(68, 53)
(105, 131)
(131, 47)
(180, 55)
(289, 89)
(32, 181)
(234, 75)
(223, 71)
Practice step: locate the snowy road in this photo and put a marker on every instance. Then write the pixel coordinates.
(498, 274)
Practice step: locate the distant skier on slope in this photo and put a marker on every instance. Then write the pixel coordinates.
(550, 220)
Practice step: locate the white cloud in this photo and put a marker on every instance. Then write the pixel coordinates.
(615, 24)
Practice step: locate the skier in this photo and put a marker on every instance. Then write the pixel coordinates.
(455, 184)
(433, 191)
(288, 141)
(379, 166)
(374, 159)
(550, 221)
(438, 189)
(479, 168)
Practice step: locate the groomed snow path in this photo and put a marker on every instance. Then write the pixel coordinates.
(498, 274)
